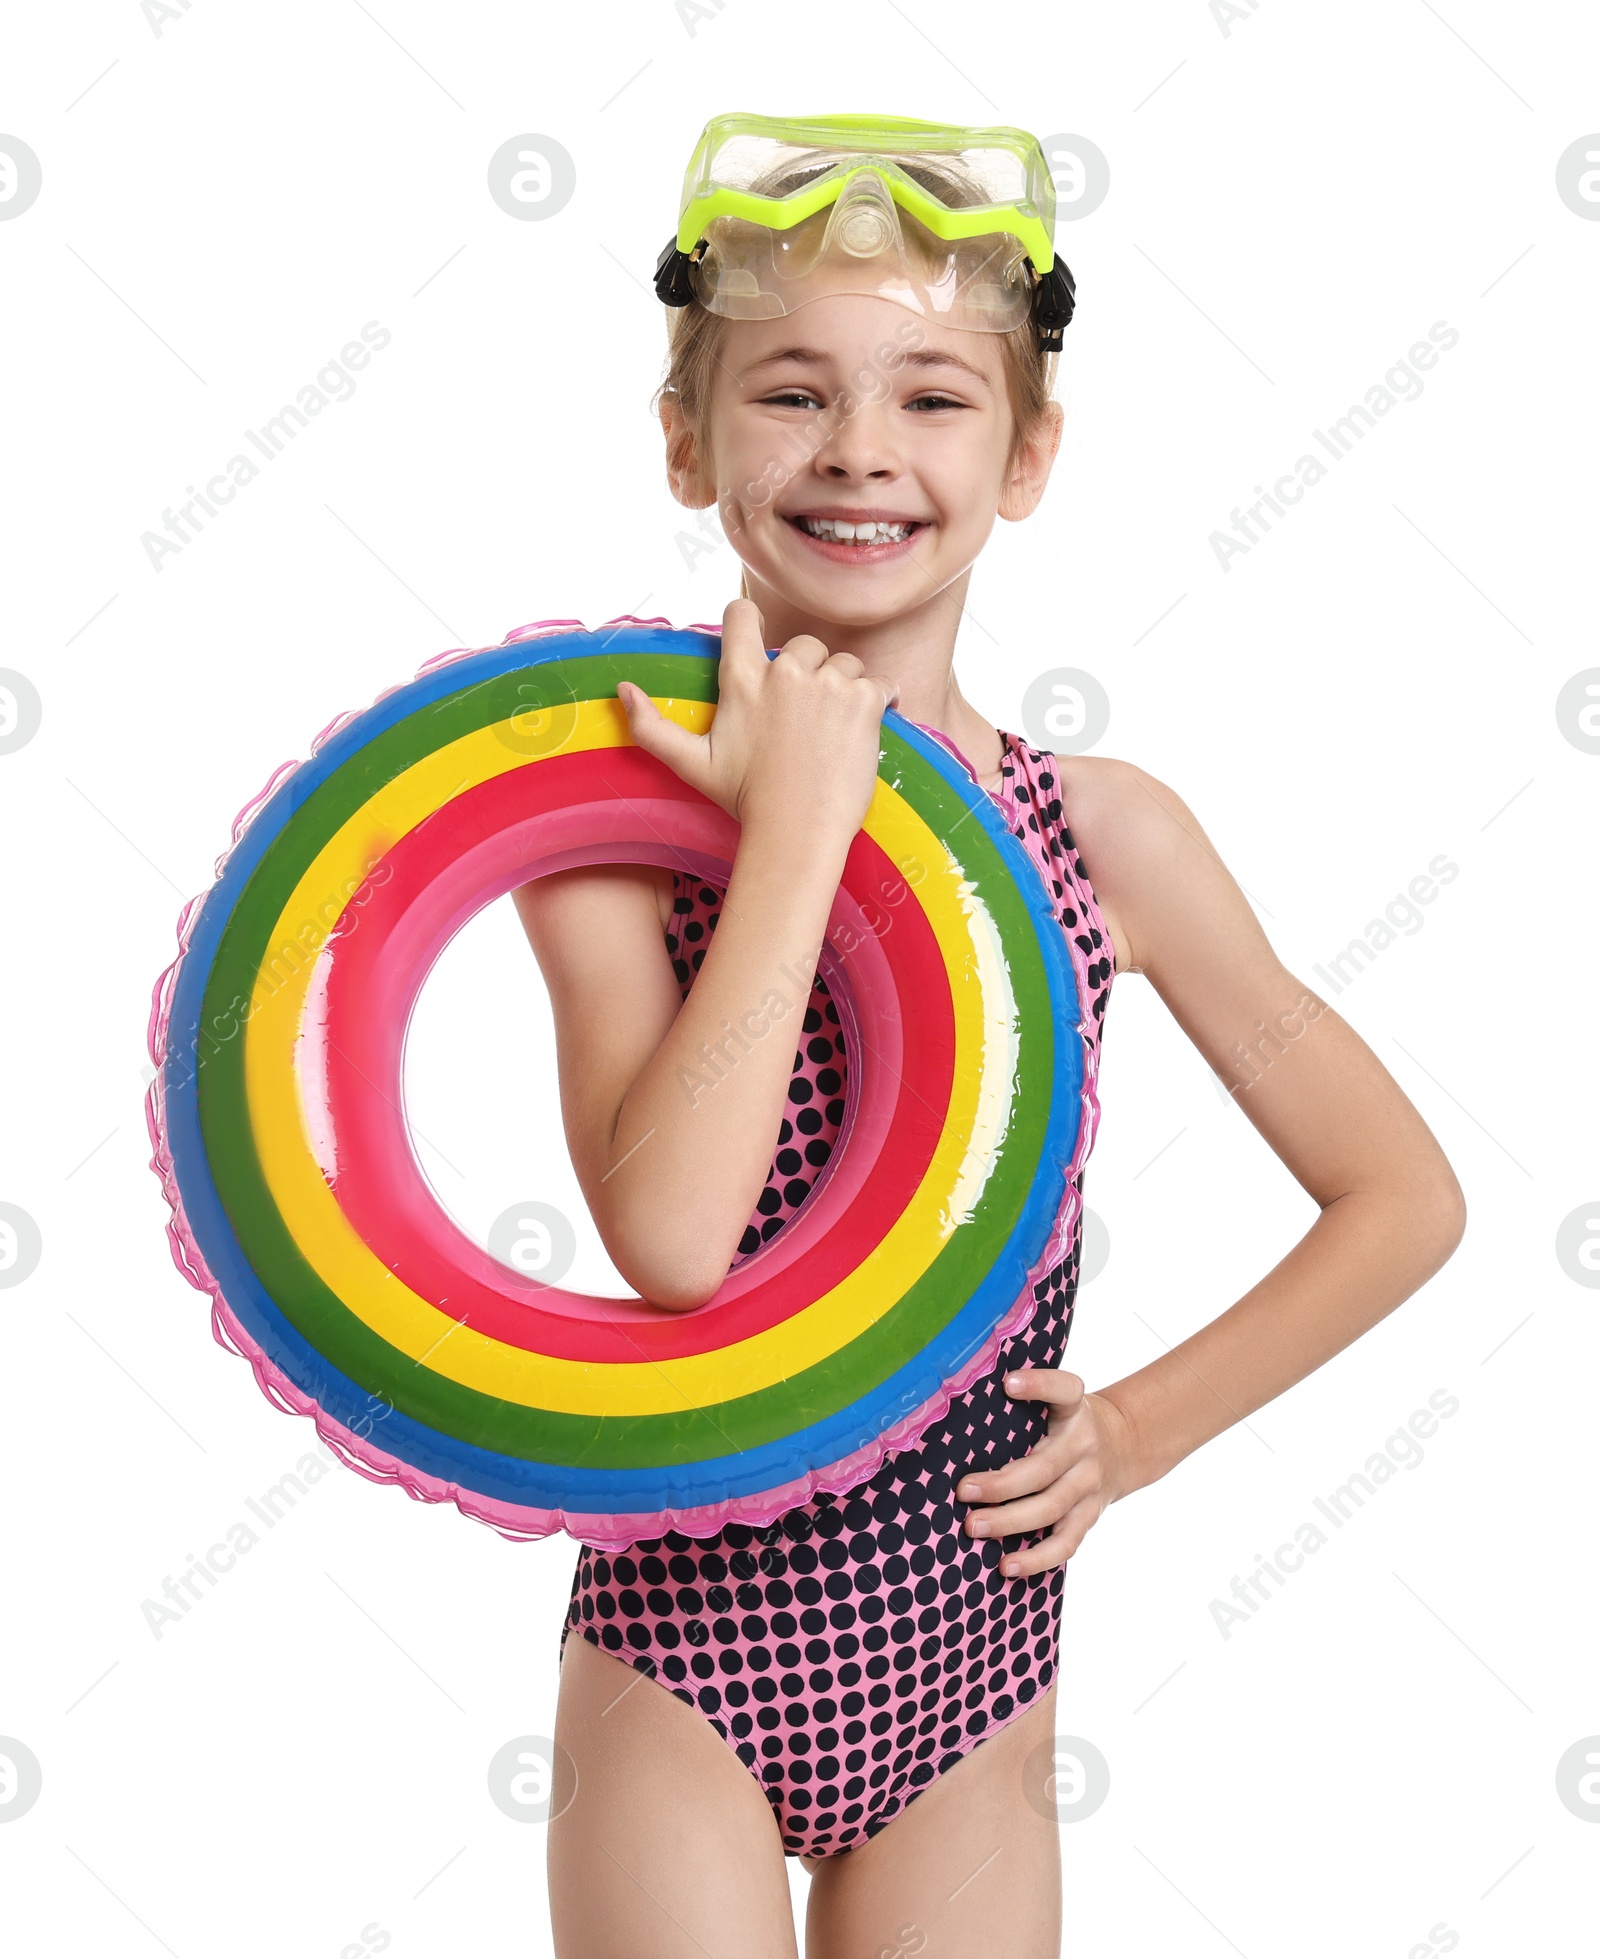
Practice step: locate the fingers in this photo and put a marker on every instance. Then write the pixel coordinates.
(1049, 1459)
(667, 741)
(744, 641)
(1036, 1471)
(1060, 1487)
(807, 651)
(1052, 1384)
(1030, 1513)
(1062, 1543)
(744, 637)
(850, 665)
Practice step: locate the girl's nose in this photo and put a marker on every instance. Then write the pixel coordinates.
(859, 442)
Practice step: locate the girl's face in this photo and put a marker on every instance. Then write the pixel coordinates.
(854, 410)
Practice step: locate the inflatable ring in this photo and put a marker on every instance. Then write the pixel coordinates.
(299, 1205)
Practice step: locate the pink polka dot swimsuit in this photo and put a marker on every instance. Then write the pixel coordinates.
(861, 1644)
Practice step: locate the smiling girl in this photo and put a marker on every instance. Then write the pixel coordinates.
(863, 331)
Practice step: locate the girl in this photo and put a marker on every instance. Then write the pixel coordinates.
(869, 1683)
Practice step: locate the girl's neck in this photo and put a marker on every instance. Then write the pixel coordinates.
(915, 649)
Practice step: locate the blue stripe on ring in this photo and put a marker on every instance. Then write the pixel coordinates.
(510, 1479)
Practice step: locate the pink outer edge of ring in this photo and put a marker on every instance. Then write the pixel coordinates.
(517, 1522)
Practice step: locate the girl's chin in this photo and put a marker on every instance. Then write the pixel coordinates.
(882, 582)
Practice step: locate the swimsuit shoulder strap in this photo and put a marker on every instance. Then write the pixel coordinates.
(1030, 798)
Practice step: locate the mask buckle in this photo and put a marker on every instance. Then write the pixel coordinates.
(673, 287)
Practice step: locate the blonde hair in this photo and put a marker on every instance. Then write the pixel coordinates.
(694, 336)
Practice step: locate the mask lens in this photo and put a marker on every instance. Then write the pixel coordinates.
(865, 239)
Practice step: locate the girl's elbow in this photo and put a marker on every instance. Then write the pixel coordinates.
(1442, 1217)
(678, 1280)
(674, 1297)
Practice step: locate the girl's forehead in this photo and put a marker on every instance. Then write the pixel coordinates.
(849, 331)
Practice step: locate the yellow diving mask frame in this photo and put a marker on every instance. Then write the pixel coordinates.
(953, 223)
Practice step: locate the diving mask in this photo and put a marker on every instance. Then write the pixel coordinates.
(952, 223)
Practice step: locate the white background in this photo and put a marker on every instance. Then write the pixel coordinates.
(1293, 204)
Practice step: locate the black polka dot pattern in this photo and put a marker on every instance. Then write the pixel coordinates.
(861, 1644)
(811, 1128)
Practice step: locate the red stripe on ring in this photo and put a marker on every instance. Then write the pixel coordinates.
(544, 816)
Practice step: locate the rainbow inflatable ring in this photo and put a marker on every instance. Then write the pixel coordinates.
(298, 1203)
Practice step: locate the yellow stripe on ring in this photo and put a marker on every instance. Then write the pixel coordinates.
(985, 1066)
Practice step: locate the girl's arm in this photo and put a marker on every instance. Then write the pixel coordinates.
(673, 1107)
(1391, 1210)
(671, 1168)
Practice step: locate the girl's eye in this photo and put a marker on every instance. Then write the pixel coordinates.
(804, 398)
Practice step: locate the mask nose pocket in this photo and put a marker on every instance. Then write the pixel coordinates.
(864, 222)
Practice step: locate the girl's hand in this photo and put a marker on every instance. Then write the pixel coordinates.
(1067, 1480)
(794, 741)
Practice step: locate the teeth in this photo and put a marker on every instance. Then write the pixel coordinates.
(870, 532)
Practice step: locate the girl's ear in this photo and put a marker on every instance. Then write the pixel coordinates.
(1030, 471)
(686, 473)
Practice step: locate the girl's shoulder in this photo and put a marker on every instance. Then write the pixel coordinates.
(1126, 824)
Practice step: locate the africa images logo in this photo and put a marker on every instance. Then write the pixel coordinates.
(1401, 383)
(333, 382)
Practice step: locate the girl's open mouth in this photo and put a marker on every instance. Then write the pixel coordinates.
(857, 541)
